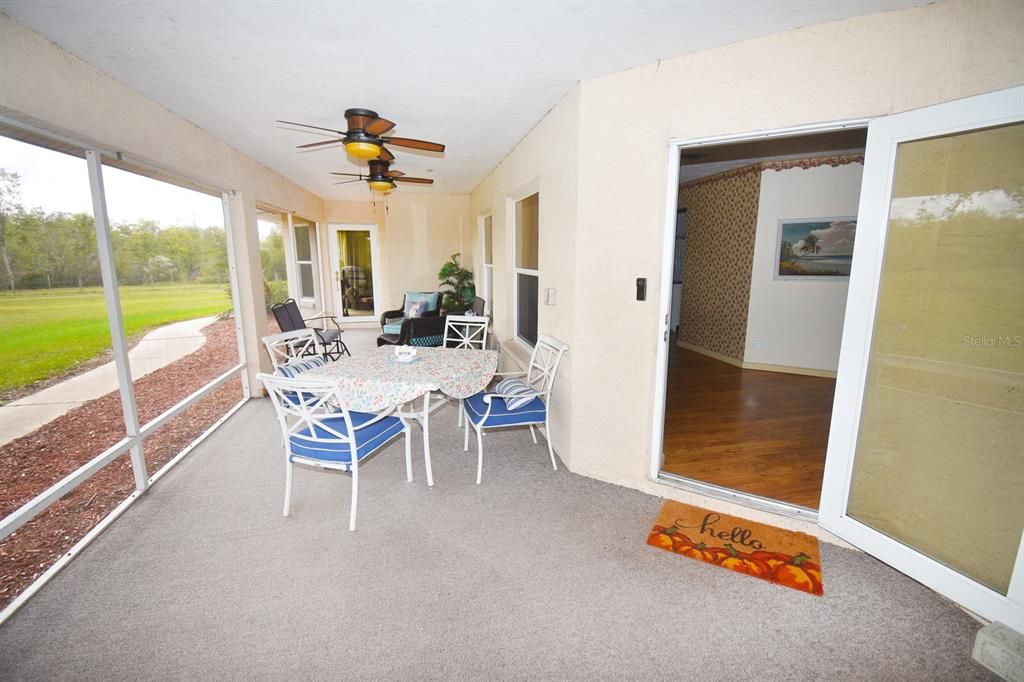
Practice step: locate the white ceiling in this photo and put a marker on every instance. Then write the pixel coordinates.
(473, 75)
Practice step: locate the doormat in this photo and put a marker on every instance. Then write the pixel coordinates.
(777, 555)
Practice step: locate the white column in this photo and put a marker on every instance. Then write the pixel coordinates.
(250, 309)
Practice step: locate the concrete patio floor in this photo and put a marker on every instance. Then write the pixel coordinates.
(534, 574)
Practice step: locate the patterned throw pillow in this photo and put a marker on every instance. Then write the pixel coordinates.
(297, 367)
(515, 387)
(415, 309)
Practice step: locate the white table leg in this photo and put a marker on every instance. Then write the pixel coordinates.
(425, 421)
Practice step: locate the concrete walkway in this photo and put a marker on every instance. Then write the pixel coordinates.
(157, 349)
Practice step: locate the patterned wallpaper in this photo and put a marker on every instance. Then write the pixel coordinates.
(721, 223)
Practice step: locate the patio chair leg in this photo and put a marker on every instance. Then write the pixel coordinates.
(288, 487)
(461, 407)
(533, 432)
(408, 454)
(465, 440)
(479, 453)
(547, 436)
(355, 497)
(426, 438)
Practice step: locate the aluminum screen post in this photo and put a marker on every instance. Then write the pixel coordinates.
(105, 247)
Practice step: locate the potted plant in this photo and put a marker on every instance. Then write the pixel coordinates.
(456, 285)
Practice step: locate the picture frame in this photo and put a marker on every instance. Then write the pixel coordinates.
(814, 249)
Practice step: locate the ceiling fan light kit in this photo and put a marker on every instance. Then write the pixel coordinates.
(384, 186)
(364, 140)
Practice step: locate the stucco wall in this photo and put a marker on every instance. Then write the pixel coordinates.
(861, 67)
(545, 161)
(604, 193)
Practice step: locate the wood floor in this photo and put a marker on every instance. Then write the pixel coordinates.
(759, 432)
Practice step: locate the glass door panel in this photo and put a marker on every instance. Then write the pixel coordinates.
(355, 268)
(939, 460)
(926, 450)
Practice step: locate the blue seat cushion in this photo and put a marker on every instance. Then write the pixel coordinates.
(532, 412)
(293, 397)
(367, 440)
(393, 328)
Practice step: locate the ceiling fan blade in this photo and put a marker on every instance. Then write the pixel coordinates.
(415, 144)
(318, 144)
(385, 155)
(379, 126)
(418, 181)
(394, 174)
(354, 175)
(348, 182)
(306, 125)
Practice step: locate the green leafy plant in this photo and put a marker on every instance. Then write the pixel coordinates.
(456, 285)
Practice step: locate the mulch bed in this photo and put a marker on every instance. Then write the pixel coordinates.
(30, 464)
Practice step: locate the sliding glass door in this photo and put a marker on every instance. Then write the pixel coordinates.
(925, 464)
(356, 271)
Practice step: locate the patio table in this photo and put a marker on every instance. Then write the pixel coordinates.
(375, 381)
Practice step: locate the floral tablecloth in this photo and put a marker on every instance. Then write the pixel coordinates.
(374, 381)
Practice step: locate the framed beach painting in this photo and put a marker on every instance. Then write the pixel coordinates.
(815, 248)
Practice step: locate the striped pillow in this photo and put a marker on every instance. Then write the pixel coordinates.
(297, 367)
(515, 387)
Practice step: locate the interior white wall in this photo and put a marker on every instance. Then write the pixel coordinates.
(799, 321)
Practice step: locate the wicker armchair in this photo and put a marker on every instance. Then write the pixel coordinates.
(390, 319)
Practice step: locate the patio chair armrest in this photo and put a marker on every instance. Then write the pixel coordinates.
(391, 315)
(323, 315)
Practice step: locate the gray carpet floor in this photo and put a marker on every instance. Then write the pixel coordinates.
(533, 574)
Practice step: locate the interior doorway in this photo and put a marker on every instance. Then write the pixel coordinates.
(355, 271)
(758, 301)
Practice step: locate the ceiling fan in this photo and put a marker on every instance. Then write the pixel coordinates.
(381, 178)
(364, 137)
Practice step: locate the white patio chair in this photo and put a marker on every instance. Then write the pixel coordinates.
(321, 434)
(465, 331)
(525, 402)
(287, 347)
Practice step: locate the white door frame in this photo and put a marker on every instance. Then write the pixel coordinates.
(665, 311)
(486, 284)
(332, 245)
(884, 135)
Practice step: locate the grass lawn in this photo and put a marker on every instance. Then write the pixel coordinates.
(49, 331)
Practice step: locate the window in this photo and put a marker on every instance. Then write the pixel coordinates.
(304, 233)
(526, 267)
(487, 274)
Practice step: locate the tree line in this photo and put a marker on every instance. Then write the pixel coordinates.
(41, 249)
